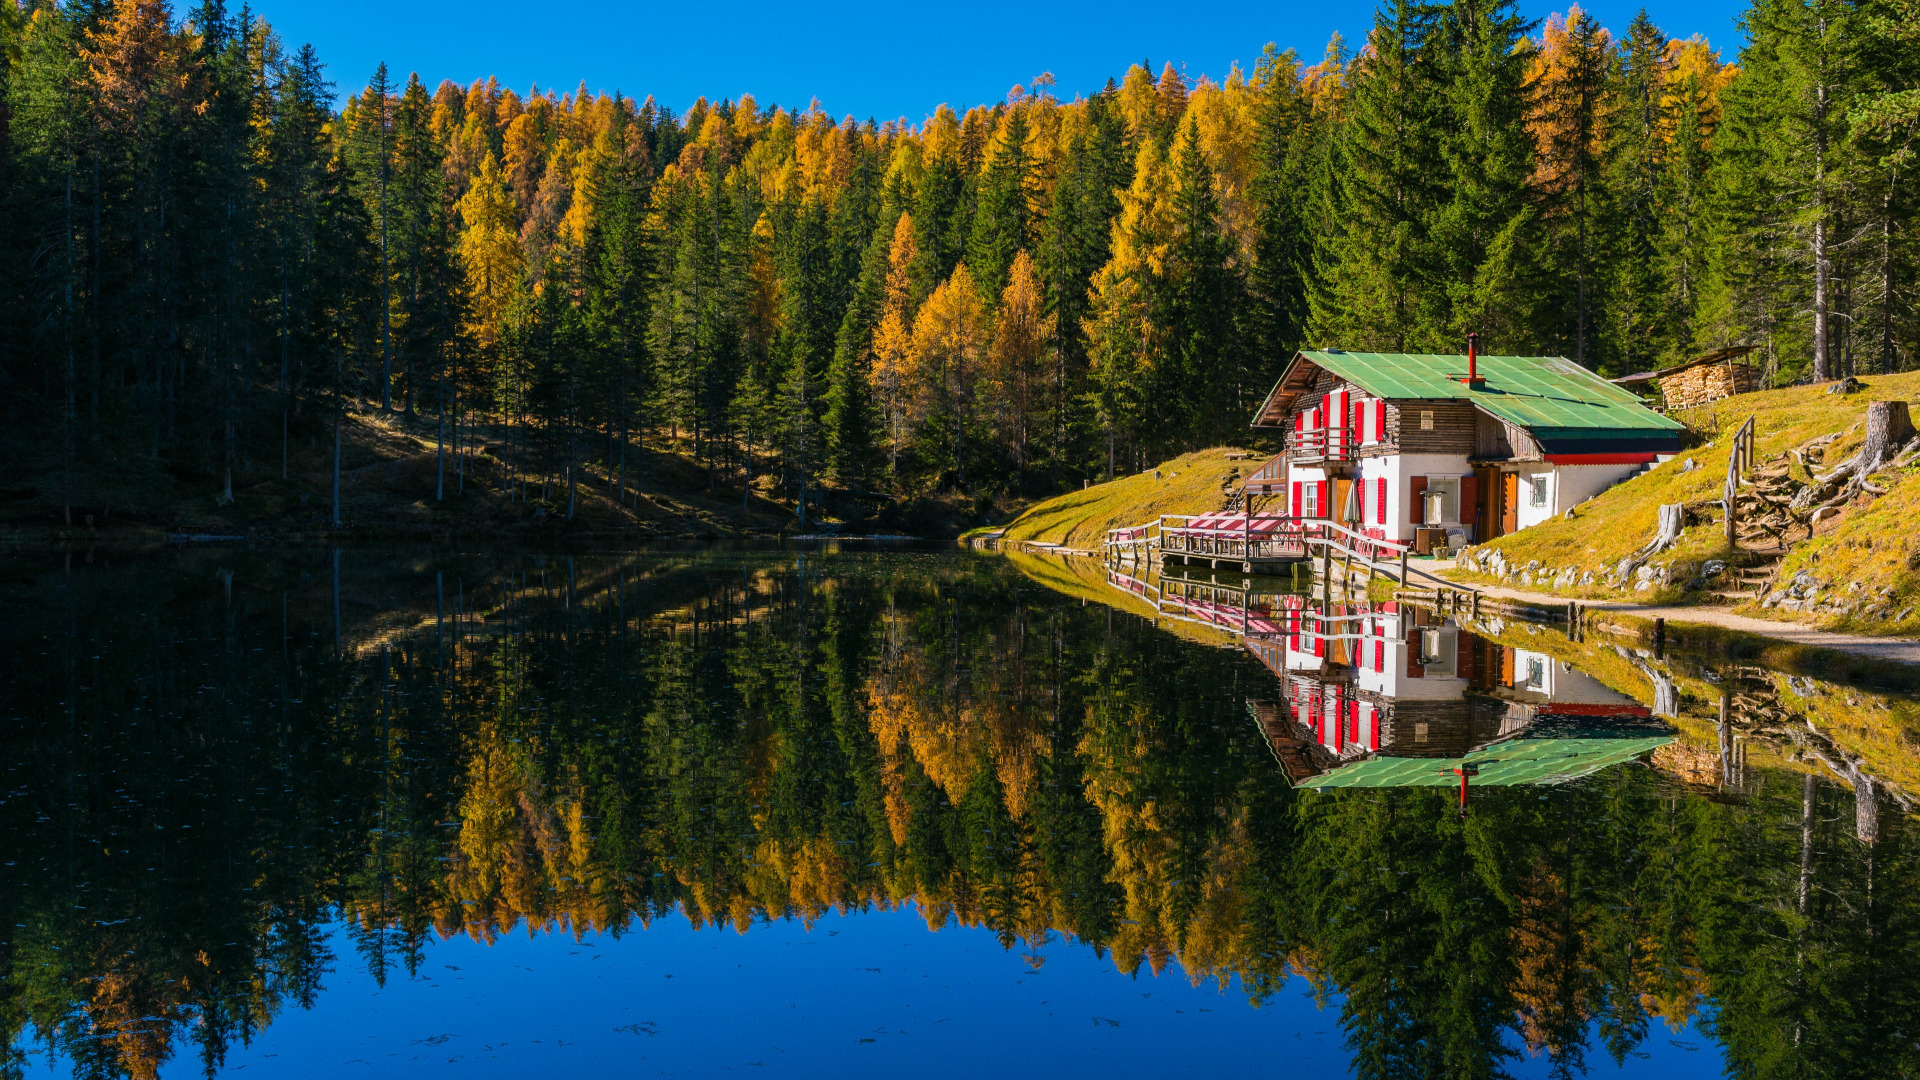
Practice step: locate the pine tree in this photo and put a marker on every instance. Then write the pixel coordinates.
(1000, 220)
(1573, 77)
(1022, 336)
(369, 121)
(1290, 134)
(1485, 235)
(1635, 323)
(1206, 377)
(1785, 178)
(950, 341)
(1379, 276)
(1075, 242)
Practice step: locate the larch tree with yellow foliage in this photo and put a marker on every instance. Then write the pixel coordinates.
(948, 354)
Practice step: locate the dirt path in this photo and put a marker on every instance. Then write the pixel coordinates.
(1904, 650)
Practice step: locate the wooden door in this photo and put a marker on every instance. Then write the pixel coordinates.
(1486, 505)
(1509, 502)
(1342, 491)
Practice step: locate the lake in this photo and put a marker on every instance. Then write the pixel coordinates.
(392, 811)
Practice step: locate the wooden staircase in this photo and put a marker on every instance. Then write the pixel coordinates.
(1752, 580)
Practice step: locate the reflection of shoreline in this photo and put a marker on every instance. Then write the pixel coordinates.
(744, 742)
(1272, 620)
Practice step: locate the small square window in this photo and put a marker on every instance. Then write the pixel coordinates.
(1426, 419)
(1538, 494)
(1536, 673)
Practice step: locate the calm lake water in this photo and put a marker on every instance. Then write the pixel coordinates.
(385, 812)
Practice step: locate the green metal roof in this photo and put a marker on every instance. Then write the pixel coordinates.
(1552, 397)
(1520, 761)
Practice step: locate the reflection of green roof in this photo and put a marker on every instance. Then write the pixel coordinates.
(1551, 397)
(1521, 761)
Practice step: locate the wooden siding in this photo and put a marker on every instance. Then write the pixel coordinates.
(1496, 440)
(1453, 427)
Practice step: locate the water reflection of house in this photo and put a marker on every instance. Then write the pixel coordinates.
(1370, 687)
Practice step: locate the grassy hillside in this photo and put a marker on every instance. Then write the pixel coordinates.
(1875, 543)
(1189, 484)
(389, 467)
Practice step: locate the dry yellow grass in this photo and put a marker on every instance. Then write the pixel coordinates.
(1189, 484)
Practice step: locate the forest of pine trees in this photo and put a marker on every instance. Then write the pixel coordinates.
(209, 264)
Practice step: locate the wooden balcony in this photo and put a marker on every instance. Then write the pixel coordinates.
(1321, 445)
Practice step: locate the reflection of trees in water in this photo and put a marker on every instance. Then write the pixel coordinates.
(592, 744)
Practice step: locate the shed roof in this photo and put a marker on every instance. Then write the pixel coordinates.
(1551, 397)
(1718, 356)
(1519, 761)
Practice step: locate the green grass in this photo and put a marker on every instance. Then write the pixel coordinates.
(1189, 484)
(1873, 544)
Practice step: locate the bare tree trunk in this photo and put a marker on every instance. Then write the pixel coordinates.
(1886, 276)
(336, 472)
(440, 456)
(1822, 261)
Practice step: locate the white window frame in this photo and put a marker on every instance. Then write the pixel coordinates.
(1538, 493)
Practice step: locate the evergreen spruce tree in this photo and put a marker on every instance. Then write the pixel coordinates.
(1638, 323)
(1484, 236)
(1000, 220)
(1380, 276)
(1290, 137)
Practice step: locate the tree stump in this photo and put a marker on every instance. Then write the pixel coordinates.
(1889, 428)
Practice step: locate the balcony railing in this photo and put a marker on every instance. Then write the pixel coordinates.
(1322, 444)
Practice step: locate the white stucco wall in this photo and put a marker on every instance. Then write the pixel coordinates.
(1400, 492)
(1393, 681)
(1564, 683)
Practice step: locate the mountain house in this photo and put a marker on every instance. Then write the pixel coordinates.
(1447, 450)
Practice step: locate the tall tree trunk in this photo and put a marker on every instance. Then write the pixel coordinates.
(440, 456)
(336, 470)
(1886, 275)
(1822, 259)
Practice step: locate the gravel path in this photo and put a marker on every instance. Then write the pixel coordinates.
(1904, 650)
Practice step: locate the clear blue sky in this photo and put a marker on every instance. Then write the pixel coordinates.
(883, 60)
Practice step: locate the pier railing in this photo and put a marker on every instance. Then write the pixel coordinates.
(1263, 537)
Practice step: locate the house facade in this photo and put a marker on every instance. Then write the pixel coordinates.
(1446, 450)
(1396, 681)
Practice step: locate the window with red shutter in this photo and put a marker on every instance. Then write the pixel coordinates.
(1296, 498)
(1379, 421)
(1380, 500)
(1417, 487)
(1325, 505)
(1373, 729)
